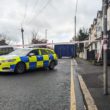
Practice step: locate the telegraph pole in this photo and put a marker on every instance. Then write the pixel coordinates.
(75, 46)
(22, 32)
(75, 18)
(75, 28)
(105, 46)
(75, 25)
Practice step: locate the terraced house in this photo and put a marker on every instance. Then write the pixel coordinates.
(94, 48)
(95, 37)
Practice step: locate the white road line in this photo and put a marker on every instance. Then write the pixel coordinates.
(72, 91)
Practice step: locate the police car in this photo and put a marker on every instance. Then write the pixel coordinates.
(24, 59)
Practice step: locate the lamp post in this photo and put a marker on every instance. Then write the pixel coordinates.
(105, 46)
(22, 31)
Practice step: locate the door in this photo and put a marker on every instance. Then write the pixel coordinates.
(33, 59)
(45, 55)
(39, 60)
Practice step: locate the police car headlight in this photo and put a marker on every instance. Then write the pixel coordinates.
(10, 60)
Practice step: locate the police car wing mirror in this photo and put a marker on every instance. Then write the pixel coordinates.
(31, 54)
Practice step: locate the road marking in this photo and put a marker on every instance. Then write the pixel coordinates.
(88, 98)
(72, 91)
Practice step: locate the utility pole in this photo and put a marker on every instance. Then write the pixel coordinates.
(75, 35)
(75, 28)
(22, 32)
(105, 46)
(75, 18)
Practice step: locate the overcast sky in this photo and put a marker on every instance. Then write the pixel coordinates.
(37, 15)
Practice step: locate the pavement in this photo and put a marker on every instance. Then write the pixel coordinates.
(37, 90)
(93, 78)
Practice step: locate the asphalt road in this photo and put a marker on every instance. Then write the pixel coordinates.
(37, 90)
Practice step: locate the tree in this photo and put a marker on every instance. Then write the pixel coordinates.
(3, 39)
(83, 34)
(37, 40)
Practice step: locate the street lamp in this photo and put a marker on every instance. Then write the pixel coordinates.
(105, 46)
(22, 31)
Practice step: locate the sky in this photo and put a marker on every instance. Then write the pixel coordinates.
(57, 16)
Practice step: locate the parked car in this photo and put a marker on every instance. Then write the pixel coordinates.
(6, 50)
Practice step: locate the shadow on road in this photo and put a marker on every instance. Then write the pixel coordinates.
(29, 72)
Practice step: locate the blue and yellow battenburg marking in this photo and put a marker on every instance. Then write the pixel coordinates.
(31, 62)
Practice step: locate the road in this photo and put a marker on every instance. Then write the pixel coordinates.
(37, 90)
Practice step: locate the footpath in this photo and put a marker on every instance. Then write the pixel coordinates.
(91, 82)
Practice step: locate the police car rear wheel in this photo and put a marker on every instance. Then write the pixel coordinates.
(20, 68)
(52, 65)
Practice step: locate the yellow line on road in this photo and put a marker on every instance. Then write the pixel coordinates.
(87, 95)
(72, 90)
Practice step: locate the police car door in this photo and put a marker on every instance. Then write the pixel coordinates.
(45, 55)
(33, 59)
(39, 59)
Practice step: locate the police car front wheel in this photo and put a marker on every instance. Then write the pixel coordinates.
(20, 67)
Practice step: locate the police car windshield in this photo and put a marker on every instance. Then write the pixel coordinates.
(21, 52)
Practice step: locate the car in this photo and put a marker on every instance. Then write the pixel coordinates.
(6, 50)
(24, 59)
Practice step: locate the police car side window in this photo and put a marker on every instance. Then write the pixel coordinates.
(50, 52)
(36, 52)
(44, 52)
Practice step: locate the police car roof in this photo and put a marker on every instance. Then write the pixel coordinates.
(33, 48)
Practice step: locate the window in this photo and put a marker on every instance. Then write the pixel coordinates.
(44, 52)
(36, 52)
(6, 50)
(50, 52)
(10, 49)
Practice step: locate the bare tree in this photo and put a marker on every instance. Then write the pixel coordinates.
(37, 39)
(3, 39)
(34, 34)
